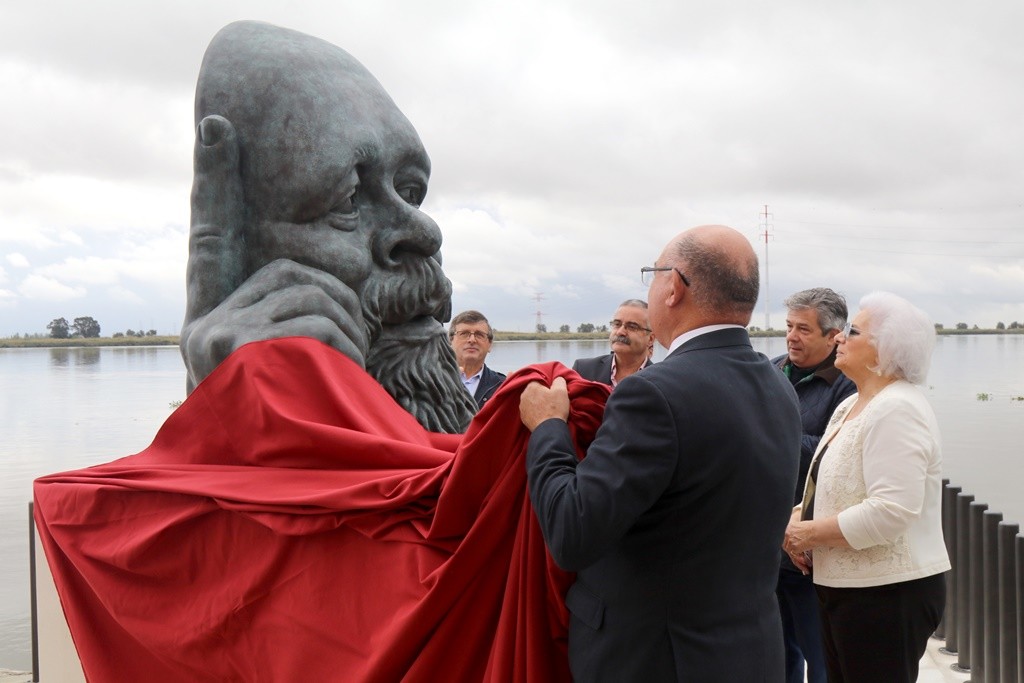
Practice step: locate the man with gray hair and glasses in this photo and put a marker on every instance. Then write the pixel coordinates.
(631, 339)
(814, 317)
(471, 337)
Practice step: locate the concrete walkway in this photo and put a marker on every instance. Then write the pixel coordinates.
(934, 668)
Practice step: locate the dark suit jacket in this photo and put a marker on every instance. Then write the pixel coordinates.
(674, 519)
(597, 369)
(489, 383)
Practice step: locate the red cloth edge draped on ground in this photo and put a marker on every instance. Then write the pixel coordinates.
(291, 522)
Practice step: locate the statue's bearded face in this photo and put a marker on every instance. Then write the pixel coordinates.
(333, 176)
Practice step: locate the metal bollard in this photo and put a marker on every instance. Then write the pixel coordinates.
(33, 603)
(1019, 564)
(977, 594)
(990, 588)
(940, 630)
(1007, 594)
(963, 583)
(949, 534)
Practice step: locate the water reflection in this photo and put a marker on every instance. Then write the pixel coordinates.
(149, 352)
(62, 357)
(541, 351)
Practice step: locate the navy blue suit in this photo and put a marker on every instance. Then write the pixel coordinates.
(674, 519)
(489, 383)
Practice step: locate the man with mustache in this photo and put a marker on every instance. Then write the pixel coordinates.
(631, 340)
(306, 220)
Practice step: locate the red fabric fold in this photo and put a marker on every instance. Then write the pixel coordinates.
(291, 522)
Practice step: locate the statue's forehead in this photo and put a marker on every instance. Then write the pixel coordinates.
(291, 96)
(252, 67)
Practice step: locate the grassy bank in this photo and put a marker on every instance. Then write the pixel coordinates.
(48, 342)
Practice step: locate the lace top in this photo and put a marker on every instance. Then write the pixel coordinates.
(882, 477)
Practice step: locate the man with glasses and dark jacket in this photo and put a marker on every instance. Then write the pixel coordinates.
(471, 336)
(814, 317)
(631, 340)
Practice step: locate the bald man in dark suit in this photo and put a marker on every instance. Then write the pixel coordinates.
(674, 519)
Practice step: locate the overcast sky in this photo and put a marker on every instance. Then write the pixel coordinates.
(570, 141)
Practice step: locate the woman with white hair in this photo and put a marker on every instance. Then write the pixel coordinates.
(869, 529)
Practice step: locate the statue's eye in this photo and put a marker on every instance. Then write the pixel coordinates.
(344, 215)
(411, 193)
(347, 206)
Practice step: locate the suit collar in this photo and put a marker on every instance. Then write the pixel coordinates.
(687, 338)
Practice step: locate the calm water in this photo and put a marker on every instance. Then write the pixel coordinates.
(68, 408)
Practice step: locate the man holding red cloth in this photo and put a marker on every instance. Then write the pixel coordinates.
(674, 518)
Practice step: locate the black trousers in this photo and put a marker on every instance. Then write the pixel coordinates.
(879, 633)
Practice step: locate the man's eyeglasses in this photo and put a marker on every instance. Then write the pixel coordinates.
(475, 334)
(850, 331)
(645, 274)
(629, 327)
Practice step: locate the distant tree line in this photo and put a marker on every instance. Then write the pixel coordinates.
(590, 328)
(583, 328)
(87, 327)
(999, 326)
(133, 333)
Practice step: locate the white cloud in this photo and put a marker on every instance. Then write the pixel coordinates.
(124, 295)
(46, 288)
(90, 270)
(102, 128)
(569, 142)
(70, 237)
(17, 260)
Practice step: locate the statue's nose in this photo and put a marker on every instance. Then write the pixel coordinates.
(411, 233)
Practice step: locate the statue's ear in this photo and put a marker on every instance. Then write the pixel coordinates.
(216, 259)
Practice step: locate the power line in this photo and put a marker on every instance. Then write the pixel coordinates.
(538, 297)
(766, 226)
(910, 239)
(882, 226)
(835, 247)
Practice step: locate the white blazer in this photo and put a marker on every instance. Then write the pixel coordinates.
(882, 475)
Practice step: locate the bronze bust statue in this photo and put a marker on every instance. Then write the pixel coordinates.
(306, 220)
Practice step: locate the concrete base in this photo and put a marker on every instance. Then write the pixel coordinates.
(58, 659)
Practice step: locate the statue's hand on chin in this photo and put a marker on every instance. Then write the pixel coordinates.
(282, 299)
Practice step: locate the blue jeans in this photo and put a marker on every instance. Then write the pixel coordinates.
(801, 627)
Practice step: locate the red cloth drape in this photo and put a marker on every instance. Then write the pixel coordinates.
(291, 522)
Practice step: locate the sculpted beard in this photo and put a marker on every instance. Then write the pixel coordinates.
(414, 362)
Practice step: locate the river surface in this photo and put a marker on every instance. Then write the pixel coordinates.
(63, 409)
